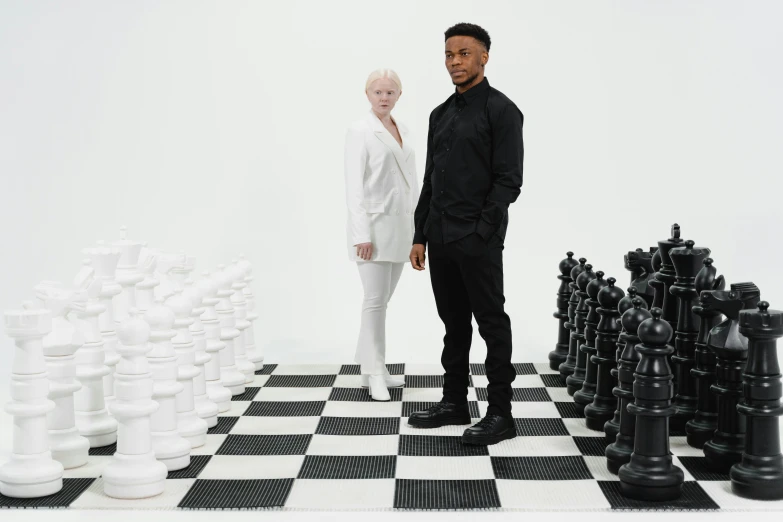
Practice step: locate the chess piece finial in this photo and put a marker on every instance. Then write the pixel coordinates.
(675, 232)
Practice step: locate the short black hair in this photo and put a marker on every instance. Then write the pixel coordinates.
(465, 29)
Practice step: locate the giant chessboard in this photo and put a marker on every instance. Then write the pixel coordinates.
(309, 437)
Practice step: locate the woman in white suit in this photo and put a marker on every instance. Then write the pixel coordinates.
(381, 190)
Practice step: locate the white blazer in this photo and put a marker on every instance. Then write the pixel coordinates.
(381, 190)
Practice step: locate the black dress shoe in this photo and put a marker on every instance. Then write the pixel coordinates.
(490, 430)
(441, 414)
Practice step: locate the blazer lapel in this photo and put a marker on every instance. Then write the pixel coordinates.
(401, 155)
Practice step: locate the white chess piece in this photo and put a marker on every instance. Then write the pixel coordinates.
(189, 424)
(218, 380)
(237, 299)
(254, 353)
(229, 332)
(68, 447)
(205, 408)
(169, 446)
(104, 260)
(230, 375)
(31, 471)
(127, 274)
(166, 263)
(133, 471)
(92, 418)
(145, 289)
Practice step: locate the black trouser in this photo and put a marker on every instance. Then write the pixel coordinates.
(467, 277)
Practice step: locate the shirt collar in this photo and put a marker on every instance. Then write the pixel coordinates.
(473, 92)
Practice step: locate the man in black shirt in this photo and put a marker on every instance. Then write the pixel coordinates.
(473, 172)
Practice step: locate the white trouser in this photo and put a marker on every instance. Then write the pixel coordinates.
(379, 279)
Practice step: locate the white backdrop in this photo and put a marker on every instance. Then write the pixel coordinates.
(217, 128)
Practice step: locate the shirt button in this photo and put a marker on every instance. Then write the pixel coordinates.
(394, 171)
(443, 212)
(441, 192)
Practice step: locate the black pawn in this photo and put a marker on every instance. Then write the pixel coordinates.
(585, 395)
(650, 474)
(687, 261)
(567, 367)
(604, 404)
(619, 451)
(626, 303)
(731, 348)
(655, 283)
(760, 474)
(559, 354)
(704, 422)
(575, 380)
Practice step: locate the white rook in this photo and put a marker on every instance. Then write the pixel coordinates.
(169, 446)
(190, 425)
(31, 470)
(133, 471)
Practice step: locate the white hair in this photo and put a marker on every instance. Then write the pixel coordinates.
(383, 73)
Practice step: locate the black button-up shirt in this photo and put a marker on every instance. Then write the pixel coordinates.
(473, 170)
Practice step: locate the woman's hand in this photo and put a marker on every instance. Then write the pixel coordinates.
(364, 251)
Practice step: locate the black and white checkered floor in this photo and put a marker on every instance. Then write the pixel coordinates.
(308, 437)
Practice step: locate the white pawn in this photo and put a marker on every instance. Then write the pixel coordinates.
(189, 424)
(220, 384)
(237, 300)
(169, 446)
(127, 274)
(254, 353)
(145, 289)
(68, 447)
(228, 322)
(205, 408)
(133, 471)
(31, 471)
(104, 260)
(92, 417)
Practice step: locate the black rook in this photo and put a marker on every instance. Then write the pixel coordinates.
(760, 474)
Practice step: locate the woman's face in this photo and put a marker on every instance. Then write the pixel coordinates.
(383, 95)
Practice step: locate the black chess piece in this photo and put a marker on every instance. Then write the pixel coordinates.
(731, 348)
(667, 276)
(650, 474)
(575, 380)
(604, 404)
(612, 427)
(560, 353)
(687, 262)
(639, 263)
(654, 282)
(585, 395)
(567, 367)
(620, 449)
(760, 473)
(704, 422)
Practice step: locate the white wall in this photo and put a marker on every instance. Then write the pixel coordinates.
(217, 127)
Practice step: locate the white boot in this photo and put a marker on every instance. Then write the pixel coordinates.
(378, 389)
(391, 382)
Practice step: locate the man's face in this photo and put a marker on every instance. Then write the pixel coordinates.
(463, 59)
(383, 95)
